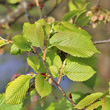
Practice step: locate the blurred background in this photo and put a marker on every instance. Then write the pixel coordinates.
(12, 17)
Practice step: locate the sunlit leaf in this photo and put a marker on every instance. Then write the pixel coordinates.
(88, 100)
(74, 43)
(77, 70)
(22, 43)
(34, 63)
(42, 86)
(17, 89)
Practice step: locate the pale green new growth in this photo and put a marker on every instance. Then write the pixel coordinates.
(88, 100)
(42, 86)
(17, 89)
(74, 43)
(34, 63)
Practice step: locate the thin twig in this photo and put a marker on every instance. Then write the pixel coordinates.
(48, 71)
(40, 11)
(53, 8)
(102, 42)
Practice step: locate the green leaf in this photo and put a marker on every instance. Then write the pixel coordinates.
(94, 106)
(3, 41)
(63, 104)
(15, 50)
(77, 70)
(13, 1)
(74, 43)
(52, 59)
(90, 82)
(34, 62)
(42, 86)
(106, 103)
(11, 107)
(54, 71)
(72, 6)
(70, 15)
(22, 43)
(46, 27)
(34, 33)
(64, 25)
(88, 100)
(82, 19)
(2, 98)
(17, 89)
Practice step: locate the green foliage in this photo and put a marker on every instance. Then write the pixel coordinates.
(82, 19)
(77, 70)
(63, 104)
(17, 89)
(4, 106)
(52, 59)
(94, 105)
(42, 86)
(106, 103)
(70, 15)
(74, 43)
(22, 43)
(34, 63)
(13, 1)
(3, 42)
(36, 32)
(88, 100)
(15, 50)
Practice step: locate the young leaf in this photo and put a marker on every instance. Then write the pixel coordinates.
(94, 106)
(74, 43)
(82, 19)
(106, 103)
(72, 6)
(42, 86)
(13, 1)
(88, 100)
(11, 107)
(52, 59)
(63, 104)
(34, 33)
(70, 15)
(34, 63)
(15, 50)
(46, 27)
(17, 89)
(22, 43)
(64, 25)
(54, 71)
(77, 70)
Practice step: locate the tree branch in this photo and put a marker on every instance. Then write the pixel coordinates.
(16, 13)
(97, 3)
(63, 93)
(102, 42)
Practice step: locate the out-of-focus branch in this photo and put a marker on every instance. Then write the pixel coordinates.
(15, 14)
(102, 42)
(97, 3)
(56, 5)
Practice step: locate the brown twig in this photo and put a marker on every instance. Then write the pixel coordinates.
(48, 71)
(102, 42)
(40, 11)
